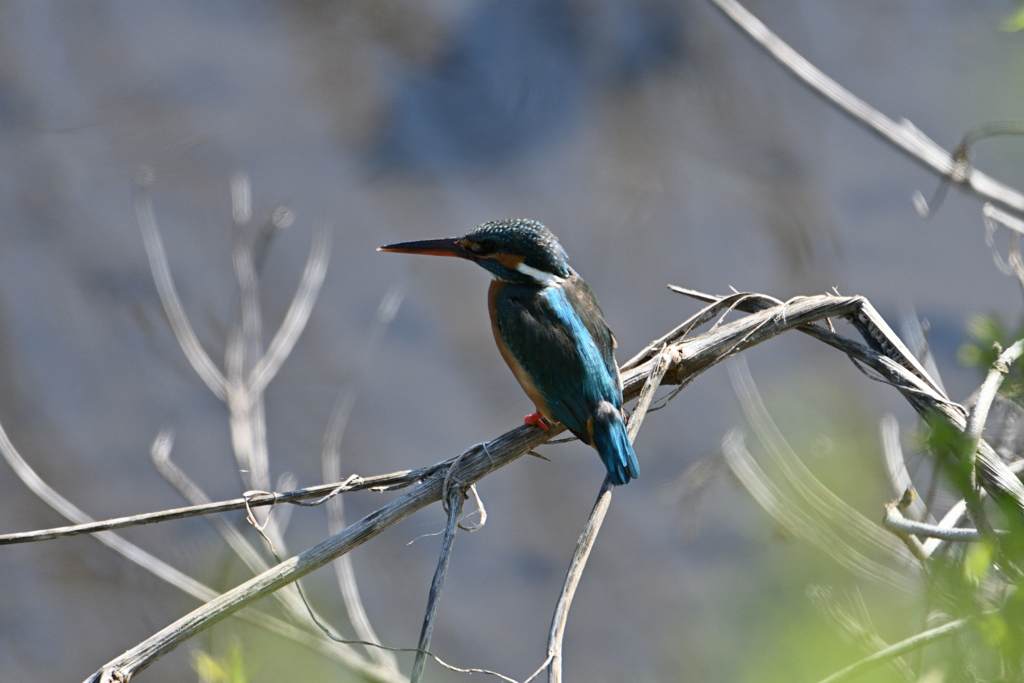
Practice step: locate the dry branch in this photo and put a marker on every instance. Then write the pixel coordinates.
(455, 499)
(976, 423)
(674, 357)
(572, 579)
(894, 365)
(380, 482)
(472, 468)
(898, 649)
(686, 359)
(556, 634)
(904, 135)
(895, 520)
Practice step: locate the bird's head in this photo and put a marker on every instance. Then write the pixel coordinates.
(516, 250)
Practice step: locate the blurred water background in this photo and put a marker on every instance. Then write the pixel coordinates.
(649, 135)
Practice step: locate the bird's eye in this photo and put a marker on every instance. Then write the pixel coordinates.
(488, 247)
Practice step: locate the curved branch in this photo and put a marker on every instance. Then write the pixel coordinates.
(901, 648)
(298, 312)
(904, 135)
(183, 332)
(687, 358)
(572, 579)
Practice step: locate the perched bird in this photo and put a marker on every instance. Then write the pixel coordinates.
(551, 332)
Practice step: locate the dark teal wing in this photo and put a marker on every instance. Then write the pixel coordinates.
(582, 299)
(558, 335)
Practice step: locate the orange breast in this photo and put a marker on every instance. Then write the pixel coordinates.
(524, 379)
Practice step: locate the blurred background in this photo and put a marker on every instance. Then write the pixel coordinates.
(649, 135)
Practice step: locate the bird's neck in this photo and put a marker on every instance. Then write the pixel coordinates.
(517, 272)
(539, 277)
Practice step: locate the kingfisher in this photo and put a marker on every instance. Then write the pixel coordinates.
(550, 331)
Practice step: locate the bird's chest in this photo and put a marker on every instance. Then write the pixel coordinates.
(503, 302)
(507, 308)
(518, 312)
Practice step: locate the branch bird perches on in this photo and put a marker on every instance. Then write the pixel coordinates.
(687, 358)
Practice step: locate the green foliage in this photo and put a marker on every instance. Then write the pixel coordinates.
(228, 667)
(1014, 22)
(979, 580)
(985, 333)
(949, 445)
(977, 563)
(789, 639)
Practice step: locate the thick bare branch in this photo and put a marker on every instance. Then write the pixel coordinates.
(472, 468)
(885, 355)
(688, 358)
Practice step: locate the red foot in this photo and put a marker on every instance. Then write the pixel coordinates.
(537, 420)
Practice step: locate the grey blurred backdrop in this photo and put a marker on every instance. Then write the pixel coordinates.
(650, 136)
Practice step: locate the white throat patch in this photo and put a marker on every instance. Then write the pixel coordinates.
(540, 276)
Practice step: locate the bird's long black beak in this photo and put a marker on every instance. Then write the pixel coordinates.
(450, 246)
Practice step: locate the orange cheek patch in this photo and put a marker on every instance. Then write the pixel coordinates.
(510, 261)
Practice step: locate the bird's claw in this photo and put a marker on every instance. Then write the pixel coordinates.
(537, 420)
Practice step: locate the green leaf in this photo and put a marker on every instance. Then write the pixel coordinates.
(1014, 22)
(978, 562)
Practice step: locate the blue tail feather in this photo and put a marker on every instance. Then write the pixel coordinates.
(612, 445)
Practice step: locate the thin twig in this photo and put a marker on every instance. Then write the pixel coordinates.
(323, 492)
(798, 522)
(455, 500)
(903, 135)
(718, 306)
(180, 326)
(572, 579)
(298, 312)
(976, 423)
(826, 505)
(246, 408)
(895, 520)
(331, 469)
(1013, 265)
(175, 577)
(899, 370)
(897, 650)
(661, 365)
(896, 464)
(586, 541)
